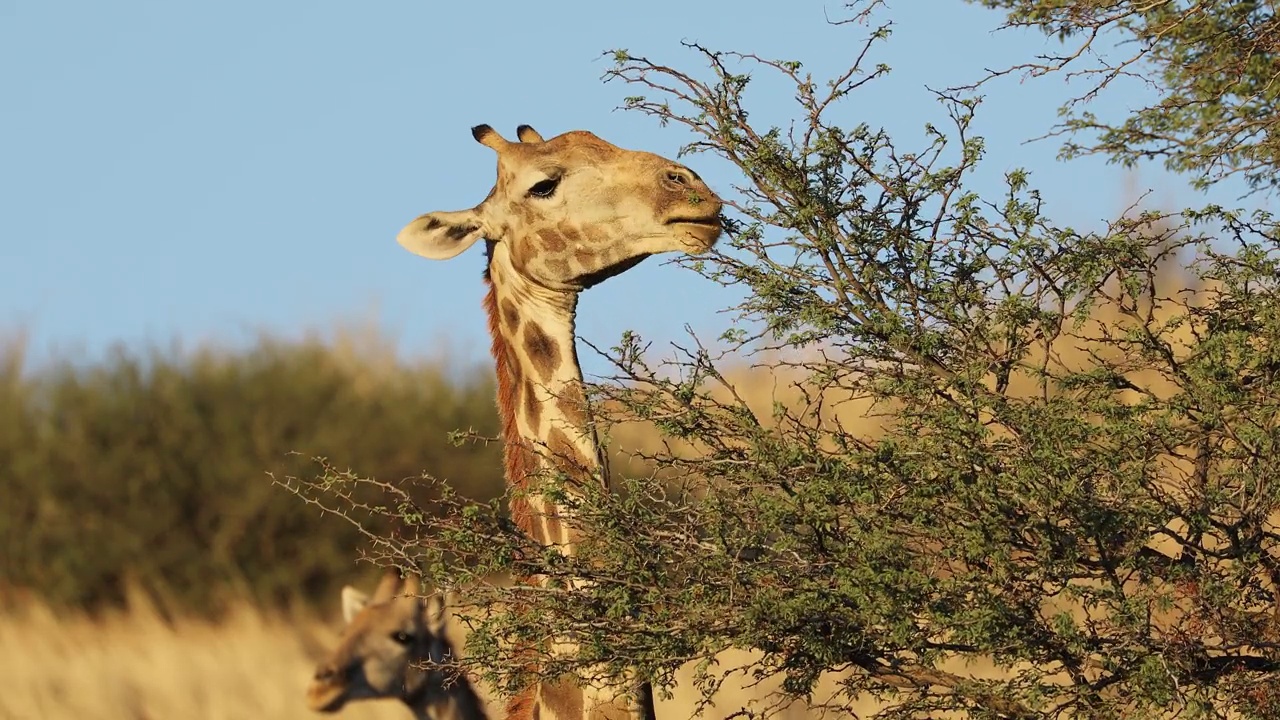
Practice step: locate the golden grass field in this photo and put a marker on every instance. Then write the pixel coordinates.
(137, 666)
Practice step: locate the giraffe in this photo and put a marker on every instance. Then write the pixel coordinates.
(564, 214)
(373, 661)
(387, 637)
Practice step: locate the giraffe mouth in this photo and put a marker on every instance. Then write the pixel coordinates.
(710, 222)
(326, 697)
(701, 233)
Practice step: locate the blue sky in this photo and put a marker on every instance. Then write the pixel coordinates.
(204, 171)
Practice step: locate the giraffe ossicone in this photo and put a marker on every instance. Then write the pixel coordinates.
(563, 215)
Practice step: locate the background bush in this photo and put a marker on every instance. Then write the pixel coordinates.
(151, 467)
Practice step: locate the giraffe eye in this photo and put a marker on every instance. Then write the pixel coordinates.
(545, 188)
(402, 637)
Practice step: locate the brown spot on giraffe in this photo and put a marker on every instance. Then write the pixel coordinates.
(532, 408)
(553, 531)
(572, 404)
(540, 350)
(510, 316)
(565, 454)
(571, 234)
(552, 241)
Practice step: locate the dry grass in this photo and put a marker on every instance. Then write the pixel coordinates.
(137, 666)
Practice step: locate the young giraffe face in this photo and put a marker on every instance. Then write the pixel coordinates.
(384, 637)
(574, 210)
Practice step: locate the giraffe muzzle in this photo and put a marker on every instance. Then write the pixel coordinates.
(329, 687)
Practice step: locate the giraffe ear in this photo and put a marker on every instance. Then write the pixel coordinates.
(433, 612)
(353, 601)
(442, 235)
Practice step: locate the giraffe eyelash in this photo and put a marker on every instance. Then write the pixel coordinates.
(544, 188)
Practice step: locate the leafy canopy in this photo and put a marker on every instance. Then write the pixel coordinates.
(981, 461)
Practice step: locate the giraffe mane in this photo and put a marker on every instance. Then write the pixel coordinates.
(518, 459)
(520, 706)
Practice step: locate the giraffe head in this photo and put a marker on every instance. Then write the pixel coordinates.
(385, 636)
(575, 210)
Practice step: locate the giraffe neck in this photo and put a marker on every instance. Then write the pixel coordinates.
(542, 407)
(439, 693)
(459, 702)
(545, 426)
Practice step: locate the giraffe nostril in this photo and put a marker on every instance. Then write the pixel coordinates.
(325, 673)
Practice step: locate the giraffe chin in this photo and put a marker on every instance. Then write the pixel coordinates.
(586, 282)
(326, 698)
(699, 236)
